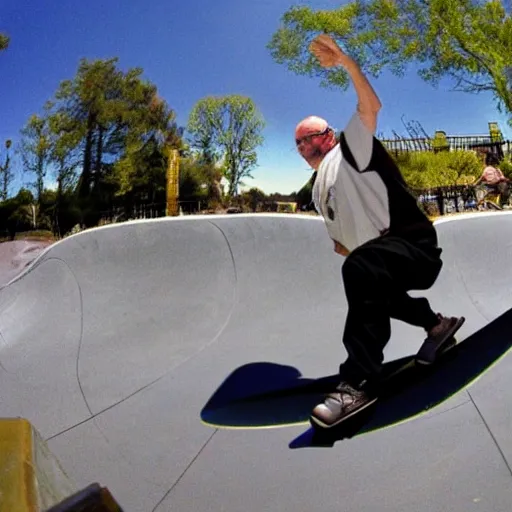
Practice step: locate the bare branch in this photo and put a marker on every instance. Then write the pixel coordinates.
(465, 85)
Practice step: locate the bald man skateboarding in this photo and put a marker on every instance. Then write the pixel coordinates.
(390, 246)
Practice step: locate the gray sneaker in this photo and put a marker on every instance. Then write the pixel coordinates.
(340, 405)
(439, 338)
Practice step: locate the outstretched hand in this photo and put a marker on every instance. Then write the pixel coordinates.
(328, 53)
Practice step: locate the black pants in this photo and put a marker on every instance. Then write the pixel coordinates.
(377, 277)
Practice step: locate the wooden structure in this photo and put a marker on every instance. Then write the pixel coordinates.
(173, 180)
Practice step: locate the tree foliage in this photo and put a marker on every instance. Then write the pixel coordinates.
(4, 42)
(62, 143)
(110, 118)
(429, 169)
(227, 130)
(16, 213)
(105, 136)
(253, 197)
(35, 150)
(6, 174)
(468, 41)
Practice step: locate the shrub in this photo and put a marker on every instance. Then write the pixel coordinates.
(429, 170)
(506, 167)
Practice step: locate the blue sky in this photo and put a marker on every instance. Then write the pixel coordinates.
(194, 49)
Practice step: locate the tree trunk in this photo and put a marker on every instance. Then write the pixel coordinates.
(85, 178)
(40, 178)
(58, 201)
(99, 157)
(6, 178)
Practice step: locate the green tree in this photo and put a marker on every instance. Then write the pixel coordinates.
(142, 165)
(17, 213)
(227, 130)
(65, 161)
(63, 141)
(6, 174)
(84, 107)
(141, 172)
(35, 150)
(110, 116)
(468, 41)
(193, 183)
(253, 197)
(4, 42)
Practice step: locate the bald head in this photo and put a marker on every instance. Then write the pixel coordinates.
(309, 125)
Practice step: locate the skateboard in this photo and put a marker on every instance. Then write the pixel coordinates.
(403, 372)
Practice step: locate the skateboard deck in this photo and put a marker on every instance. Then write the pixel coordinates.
(267, 395)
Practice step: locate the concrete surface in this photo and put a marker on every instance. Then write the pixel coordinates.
(114, 339)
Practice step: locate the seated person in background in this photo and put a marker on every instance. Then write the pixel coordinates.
(493, 179)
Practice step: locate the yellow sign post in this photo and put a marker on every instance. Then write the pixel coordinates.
(173, 175)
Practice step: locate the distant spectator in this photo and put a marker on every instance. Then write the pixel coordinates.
(493, 179)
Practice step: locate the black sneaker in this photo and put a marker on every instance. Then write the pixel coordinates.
(341, 405)
(439, 338)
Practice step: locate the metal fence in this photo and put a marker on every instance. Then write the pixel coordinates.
(149, 211)
(442, 200)
(462, 143)
(139, 211)
(445, 200)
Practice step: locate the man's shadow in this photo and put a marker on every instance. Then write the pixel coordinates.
(266, 395)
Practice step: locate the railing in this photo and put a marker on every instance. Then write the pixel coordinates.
(456, 198)
(500, 148)
(149, 211)
(436, 201)
(139, 211)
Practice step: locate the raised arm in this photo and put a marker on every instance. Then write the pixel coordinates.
(329, 54)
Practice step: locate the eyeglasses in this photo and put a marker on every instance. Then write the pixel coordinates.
(307, 138)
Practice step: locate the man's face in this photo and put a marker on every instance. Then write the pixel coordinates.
(309, 145)
(310, 138)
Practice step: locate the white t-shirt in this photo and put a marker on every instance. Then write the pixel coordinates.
(359, 204)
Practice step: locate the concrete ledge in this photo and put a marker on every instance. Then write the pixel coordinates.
(31, 478)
